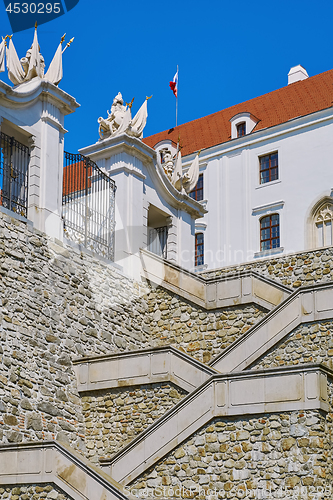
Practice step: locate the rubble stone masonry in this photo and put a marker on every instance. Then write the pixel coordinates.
(58, 303)
(268, 456)
(33, 492)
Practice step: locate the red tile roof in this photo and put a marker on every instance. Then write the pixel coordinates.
(74, 178)
(297, 99)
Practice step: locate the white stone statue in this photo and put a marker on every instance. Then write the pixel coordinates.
(187, 181)
(119, 120)
(167, 162)
(33, 64)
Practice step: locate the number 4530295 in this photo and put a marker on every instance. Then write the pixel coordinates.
(33, 8)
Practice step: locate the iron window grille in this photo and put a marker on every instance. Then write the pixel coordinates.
(270, 232)
(88, 205)
(14, 169)
(269, 169)
(197, 192)
(199, 249)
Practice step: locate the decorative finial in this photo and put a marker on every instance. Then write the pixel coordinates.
(62, 38)
(149, 97)
(199, 151)
(68, 44)
(130, 104)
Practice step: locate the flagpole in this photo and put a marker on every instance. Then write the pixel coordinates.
(177, 97)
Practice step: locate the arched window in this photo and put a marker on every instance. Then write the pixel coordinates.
(269, 232)
(199, 249)
(323, 226)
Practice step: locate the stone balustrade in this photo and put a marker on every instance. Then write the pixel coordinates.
(244, 288)
(148, 366)
(312, 303)
(279, 390)
(50, 462)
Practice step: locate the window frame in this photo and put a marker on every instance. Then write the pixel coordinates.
(198, 190)
(199, 258)
(272, 238)
(270, 168)
(241, 127)
(324, 219)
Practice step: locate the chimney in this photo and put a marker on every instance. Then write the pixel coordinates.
(296, 74)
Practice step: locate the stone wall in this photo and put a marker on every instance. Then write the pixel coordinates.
(308, 343)
(32, 492)
(295, 270)
(113, 418)
(57, 303)
(271, 454)
(201, 334)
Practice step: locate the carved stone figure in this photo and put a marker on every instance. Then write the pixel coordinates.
(183, 182)
(25, 61)
(167, 162)
(115, 118)
(33, 64)
(120, 121)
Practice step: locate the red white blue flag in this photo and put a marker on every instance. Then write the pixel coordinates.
(174, 84)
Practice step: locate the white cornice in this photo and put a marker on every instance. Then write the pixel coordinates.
(28, 92)
(135, 147)
(270, 206)
(238, 144)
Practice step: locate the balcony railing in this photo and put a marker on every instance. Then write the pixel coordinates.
(88, 205)
(14, 168)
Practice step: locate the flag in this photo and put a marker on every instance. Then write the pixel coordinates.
(34, 68)
(15, 71)
(54, 73)
(174, 84)
(2, 55)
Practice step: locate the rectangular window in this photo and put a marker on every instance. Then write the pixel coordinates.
(199, 249)
(269, 168)
(269, 232)
(197, 192)
(241, 129)
(157, 243)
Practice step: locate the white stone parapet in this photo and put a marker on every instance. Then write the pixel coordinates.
(311, 303)
(51, 462)
(244, 288)
(276, 390)
(147, 366)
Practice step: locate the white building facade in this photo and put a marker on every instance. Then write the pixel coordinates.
(265, 177)
(267, 187)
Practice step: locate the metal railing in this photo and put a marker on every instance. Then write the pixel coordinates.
(88, 205)
(14, 168)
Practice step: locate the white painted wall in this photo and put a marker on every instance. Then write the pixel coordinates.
(36, 110)
(237, 201)
(141, 185)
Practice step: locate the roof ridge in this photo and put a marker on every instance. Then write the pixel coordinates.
(277, 106)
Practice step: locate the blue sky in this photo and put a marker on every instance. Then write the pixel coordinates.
(227, 52)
